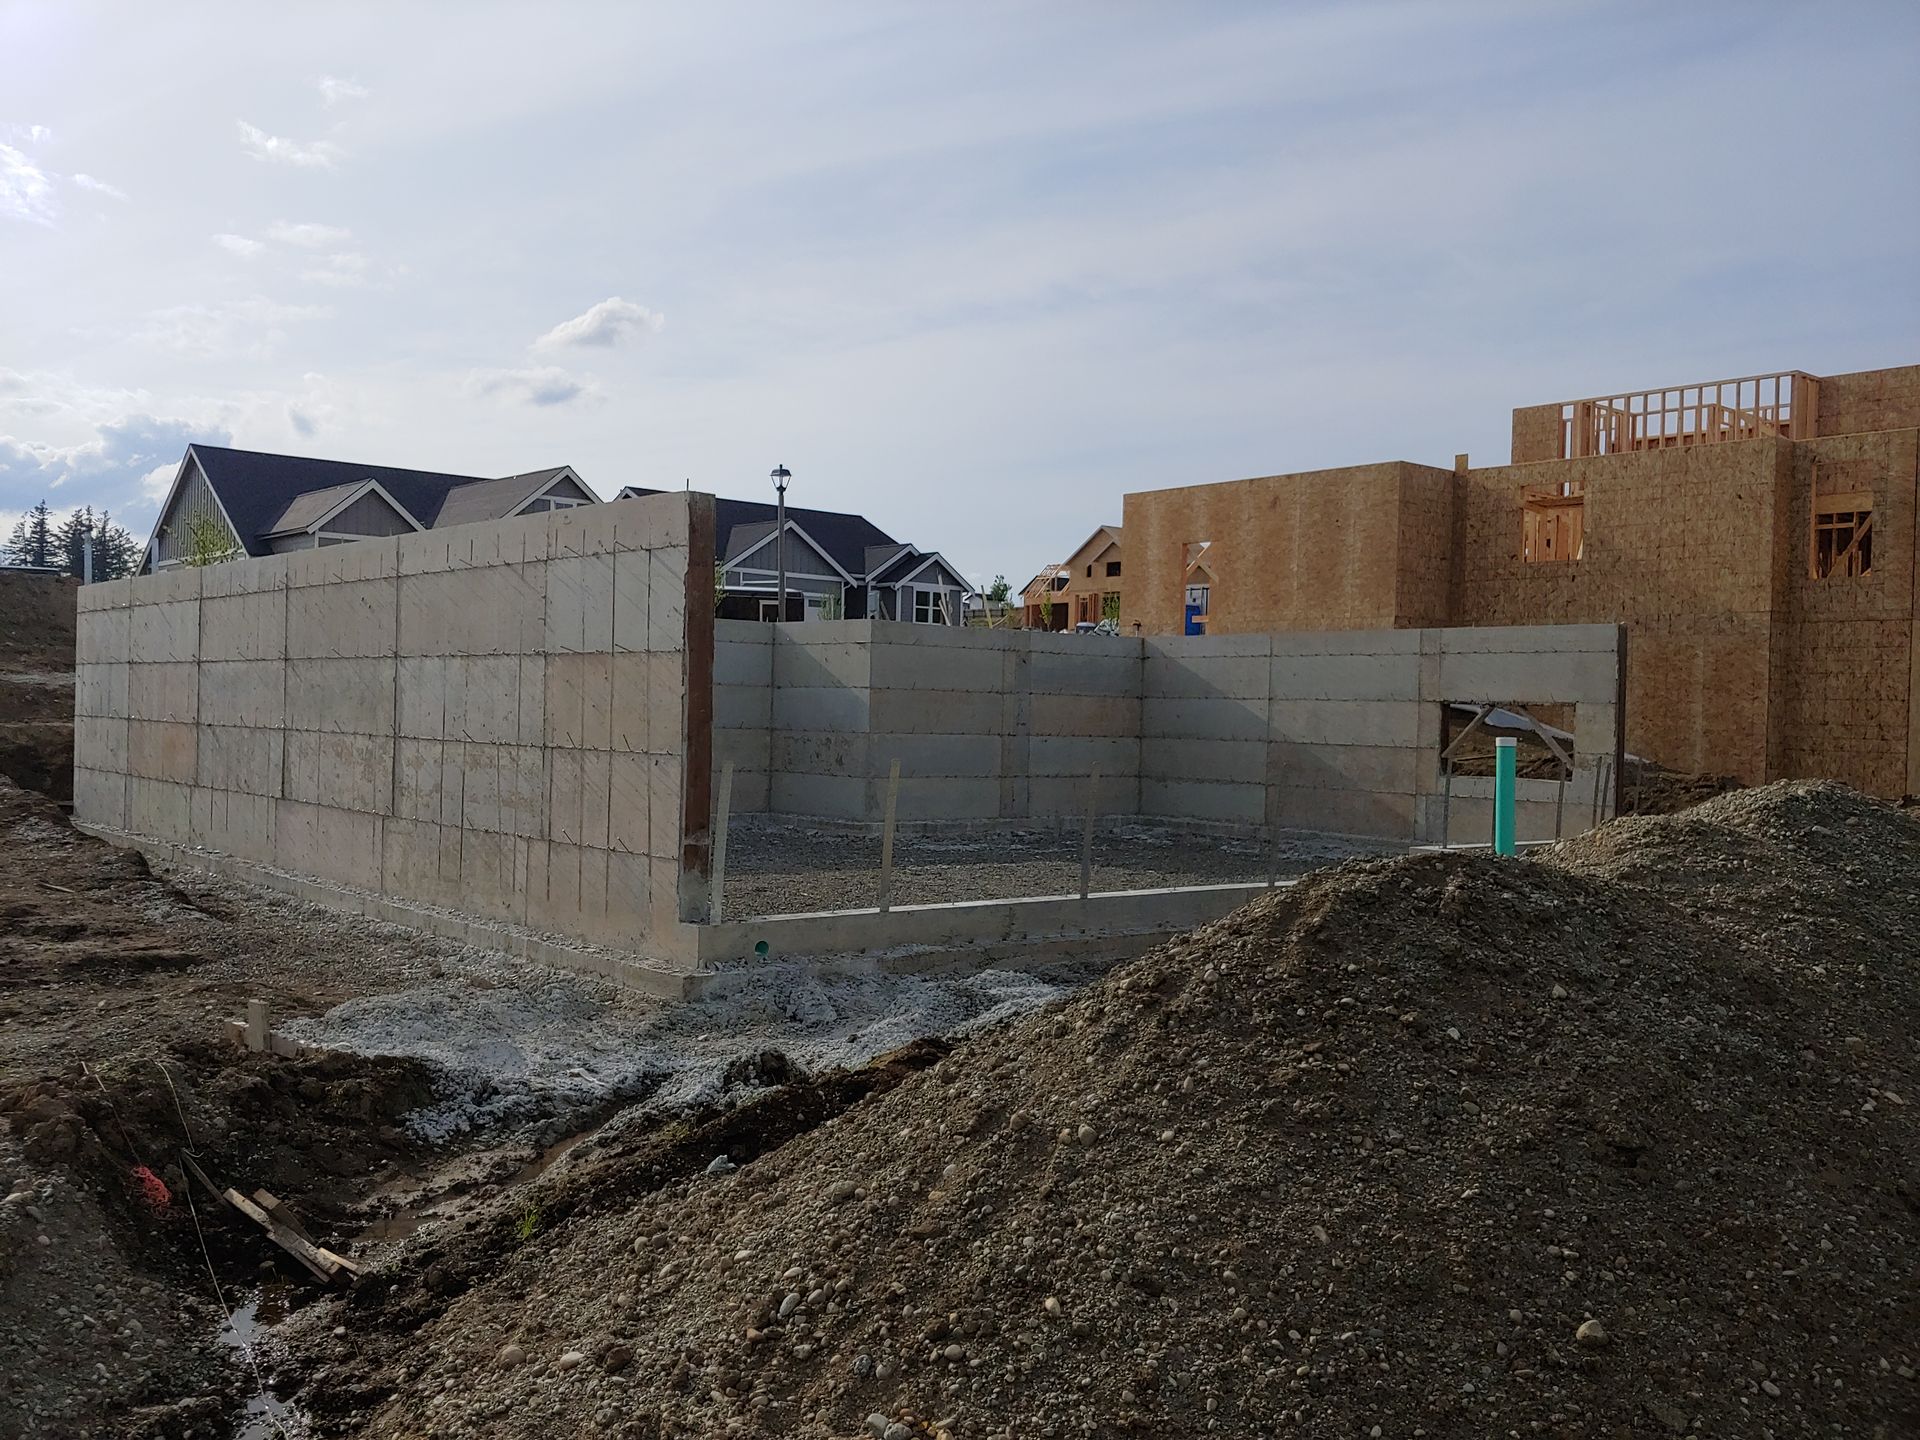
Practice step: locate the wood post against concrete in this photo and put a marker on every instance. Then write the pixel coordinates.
(1086, 834)
(720, 815)
(886, 838)
(1272, 816)
(257, 1029)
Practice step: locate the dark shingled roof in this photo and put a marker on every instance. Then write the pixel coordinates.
(844, 537)
(256, 488)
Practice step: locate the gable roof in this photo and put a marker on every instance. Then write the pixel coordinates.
(881, 556)
(258, 490)
(1110, 534)
(743, 538)
(312, 511)
(496, 499)
(843, 538)
(894, 566)
(304, 510)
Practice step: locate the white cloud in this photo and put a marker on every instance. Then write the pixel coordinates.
(239, 245)
(347, 268)
(249, 328)
(319, 154)
(32, 134)
(333, 89)
(26, 192)
(128, 462)
(538, 385)
(100, 187)
(307, 236)
(157, 481)
(607, 323)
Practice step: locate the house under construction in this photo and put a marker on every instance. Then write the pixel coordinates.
(1756, 537)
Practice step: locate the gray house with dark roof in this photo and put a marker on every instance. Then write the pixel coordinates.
(252, 503)
(838, 565)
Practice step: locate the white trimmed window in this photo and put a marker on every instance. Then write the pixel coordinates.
(926, 607)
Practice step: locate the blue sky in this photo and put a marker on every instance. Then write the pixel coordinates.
(976, 270)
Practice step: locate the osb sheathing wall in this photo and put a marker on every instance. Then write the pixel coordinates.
(1844, 688)
(1539, 433)
(1319, 550)
(1680, 546)
(1870, 400)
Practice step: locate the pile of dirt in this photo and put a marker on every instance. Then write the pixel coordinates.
(1618, 1141)
(37, 615)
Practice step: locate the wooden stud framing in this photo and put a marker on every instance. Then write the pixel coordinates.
(1706, 413)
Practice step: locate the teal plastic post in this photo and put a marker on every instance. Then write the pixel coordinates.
(1504, 768)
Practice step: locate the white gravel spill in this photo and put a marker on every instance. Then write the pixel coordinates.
(523, 1043)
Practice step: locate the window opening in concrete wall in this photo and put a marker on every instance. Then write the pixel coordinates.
(1553, 522)
(1543, 736)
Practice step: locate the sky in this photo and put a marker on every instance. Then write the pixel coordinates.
(975, 270)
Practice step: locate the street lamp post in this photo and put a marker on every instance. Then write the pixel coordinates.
(780, 476)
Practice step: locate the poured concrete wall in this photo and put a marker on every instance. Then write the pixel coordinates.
(986, 724)
(509, 718)
(1329, 731)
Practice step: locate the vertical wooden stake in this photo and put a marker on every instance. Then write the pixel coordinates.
(886, 839)
(1273, 822)
(256, 1024)
(1086, 834)
(720, 816)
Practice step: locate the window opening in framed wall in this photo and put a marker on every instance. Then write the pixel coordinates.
(1840, 528)
(1842, 536)
(1553, 523)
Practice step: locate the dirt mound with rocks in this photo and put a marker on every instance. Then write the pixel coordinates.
(1620, 1141)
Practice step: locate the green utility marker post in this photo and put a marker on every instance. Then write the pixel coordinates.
(1505, 767)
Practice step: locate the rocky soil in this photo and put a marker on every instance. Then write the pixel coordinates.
(1617, 1141)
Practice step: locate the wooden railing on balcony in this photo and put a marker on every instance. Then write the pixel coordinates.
(1710, 413)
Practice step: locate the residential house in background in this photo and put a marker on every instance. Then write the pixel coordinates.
(838, 566)
(247, 502)
(1042, 602)
(1086, 589)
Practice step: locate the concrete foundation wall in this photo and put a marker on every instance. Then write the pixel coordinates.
(492, 717)
(1331, 731)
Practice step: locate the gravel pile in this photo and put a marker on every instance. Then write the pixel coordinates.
(1621, 1141)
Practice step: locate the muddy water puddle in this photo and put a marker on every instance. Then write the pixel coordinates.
(265, 1416)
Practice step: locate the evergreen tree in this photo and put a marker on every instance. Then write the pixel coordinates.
(69, 541)
(115, 551)
(32, 541)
